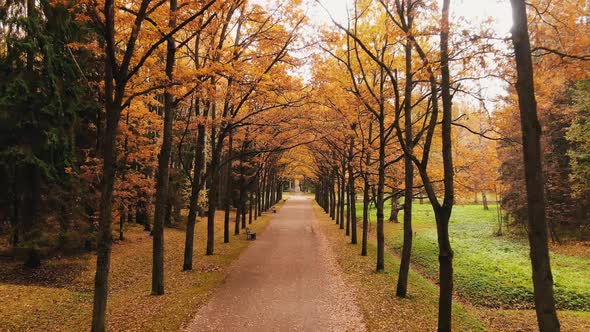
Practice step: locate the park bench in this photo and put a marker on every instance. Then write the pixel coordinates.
(250, 235)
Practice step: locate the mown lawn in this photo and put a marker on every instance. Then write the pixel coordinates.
(490, 270)
(375, 292)
(58, 296)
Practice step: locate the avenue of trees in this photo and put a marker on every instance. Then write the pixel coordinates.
(404, 117)
(115, 112)
(158, 112)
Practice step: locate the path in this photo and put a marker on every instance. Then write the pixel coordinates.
(286, 280)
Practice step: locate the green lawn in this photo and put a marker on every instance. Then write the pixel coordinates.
(489, 270)
(374, 292)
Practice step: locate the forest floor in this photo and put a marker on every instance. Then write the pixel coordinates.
(492, 273)
(301, 266)
(58, 296)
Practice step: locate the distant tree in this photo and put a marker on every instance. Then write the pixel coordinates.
(45, 97)
(578, 136)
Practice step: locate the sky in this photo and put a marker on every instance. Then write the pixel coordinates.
(472, 10)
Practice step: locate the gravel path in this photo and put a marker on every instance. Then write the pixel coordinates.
(286, 280)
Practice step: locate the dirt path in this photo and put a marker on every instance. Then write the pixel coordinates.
(286, 280)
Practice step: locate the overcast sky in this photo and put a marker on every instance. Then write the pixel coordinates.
(472, 10)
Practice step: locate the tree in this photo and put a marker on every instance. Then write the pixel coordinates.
(475, 149)
(406, 18)
(120, 68)
(163, 177)
(41, 131)
(442, 211)
(559, 62)
(579, 137)
(270, 39)
(531, 132)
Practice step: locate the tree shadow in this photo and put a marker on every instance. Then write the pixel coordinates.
(54, 273)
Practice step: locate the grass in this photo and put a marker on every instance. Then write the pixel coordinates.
(384, 312)
(58, 296)
(492, 270)
(374, 292)
(526, 321)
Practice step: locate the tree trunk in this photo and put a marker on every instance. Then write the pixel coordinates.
(484, 201)
(214, 181)
(273, 189)
(163, 178)
(380, 191)
(327, 193)
(168, 214)
(342, 201)
(352, 193)
(33, 259)
(228, 189)
(338, 199)
(176, 210)
(214, 165)
(237, 219)
(106, 200)
(142, 216)
(531, 133)
(196, 186)
(32, 215)
(353, 221)
(113, 113)
(332, 198)
(257, 200)
(404, 268)
(15, 221)
(393, 214)
(121, 222)
(250, 207)
(445, 260)
(348, 203)
(260, 189)
(243, 202)
(266, 190)
(243, 193)
(365, 218)
(443, 214)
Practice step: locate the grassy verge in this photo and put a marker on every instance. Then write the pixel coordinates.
(490, 270)
(58, 296)
(526, 320)
(375, 292)
(493, 272)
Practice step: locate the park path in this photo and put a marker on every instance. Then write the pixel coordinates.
(287, 280)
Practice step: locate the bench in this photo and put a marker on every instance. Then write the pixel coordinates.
(250, 235)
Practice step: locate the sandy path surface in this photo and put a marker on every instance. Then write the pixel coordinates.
(286, 280)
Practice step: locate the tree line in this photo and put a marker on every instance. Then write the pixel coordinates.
(118, 112)
(402, 116)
